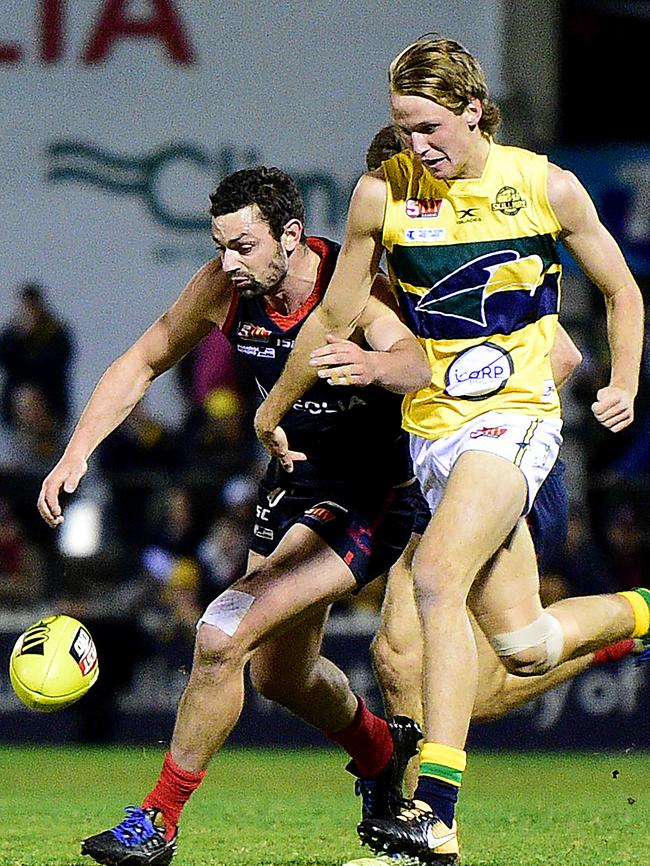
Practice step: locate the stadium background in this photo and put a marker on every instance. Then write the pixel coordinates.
(119, 117)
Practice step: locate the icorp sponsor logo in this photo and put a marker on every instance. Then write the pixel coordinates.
(478, 372)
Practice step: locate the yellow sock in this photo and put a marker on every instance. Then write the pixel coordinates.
(443, 762)
(639, 599)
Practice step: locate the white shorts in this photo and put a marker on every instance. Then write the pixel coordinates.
(530, 443)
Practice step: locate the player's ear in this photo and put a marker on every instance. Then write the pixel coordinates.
(291, 235)
(473, 112)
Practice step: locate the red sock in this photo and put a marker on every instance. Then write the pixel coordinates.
(367, 741)
(172, 791)
(614, 652)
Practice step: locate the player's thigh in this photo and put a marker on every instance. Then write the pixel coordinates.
(302, 571)
(484, 497)
(505, 597)
(292, 656)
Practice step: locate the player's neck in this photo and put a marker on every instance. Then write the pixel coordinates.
(298, 284)
(477, 159)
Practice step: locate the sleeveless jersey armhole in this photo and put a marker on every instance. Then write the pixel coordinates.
(230, 315)
(542, 195)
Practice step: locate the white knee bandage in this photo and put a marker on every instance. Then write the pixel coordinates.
(545, 632)
(228, 610)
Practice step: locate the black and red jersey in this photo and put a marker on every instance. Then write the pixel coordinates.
(346, 432)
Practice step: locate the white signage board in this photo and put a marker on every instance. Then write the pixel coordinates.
(119, 116)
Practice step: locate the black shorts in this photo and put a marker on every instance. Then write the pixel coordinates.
(422, 514)
(548, 519)
(369, 533)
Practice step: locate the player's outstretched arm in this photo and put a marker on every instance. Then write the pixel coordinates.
(601, 259)
(338, 313)
(396, 360)
(201, 305)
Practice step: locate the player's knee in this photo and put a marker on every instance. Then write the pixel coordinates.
(533, 649)
(441, 581)
(432, 592)
(222, 628)
(213, 648)
(220, 640)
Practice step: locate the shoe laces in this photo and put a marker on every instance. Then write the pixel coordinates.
(410, 811)
(370, 790)
(136, 828)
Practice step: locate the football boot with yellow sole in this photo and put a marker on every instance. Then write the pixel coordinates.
(415, 832)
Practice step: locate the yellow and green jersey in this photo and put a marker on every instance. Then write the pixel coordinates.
(475, 267)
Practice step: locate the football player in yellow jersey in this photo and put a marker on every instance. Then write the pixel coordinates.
(396, 648)
(470, 230)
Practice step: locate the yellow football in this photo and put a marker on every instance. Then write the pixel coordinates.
(53, 663)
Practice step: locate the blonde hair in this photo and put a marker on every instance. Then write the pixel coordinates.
(442, 70)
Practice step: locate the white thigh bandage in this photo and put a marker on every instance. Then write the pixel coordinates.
(545, 632)
(228, 610)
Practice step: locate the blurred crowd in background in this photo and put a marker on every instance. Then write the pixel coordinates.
(161, 523)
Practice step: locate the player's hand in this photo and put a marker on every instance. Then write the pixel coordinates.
(342, 362)
(276, 443)
(67, 474)
(614, 408)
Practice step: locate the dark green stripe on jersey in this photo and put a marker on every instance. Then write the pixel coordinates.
(425, 265)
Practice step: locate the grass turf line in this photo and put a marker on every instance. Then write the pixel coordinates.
(296, 808)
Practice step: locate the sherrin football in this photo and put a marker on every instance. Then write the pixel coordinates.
(53, 663)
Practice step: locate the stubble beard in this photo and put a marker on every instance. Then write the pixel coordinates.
(277, 271)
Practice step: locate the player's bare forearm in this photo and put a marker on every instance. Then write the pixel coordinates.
(614, 404)
(199, 307)
(296, 377)
(115, 395)
(402, 367)
(336, 315)
(601, 259)
(341, 307)
(625, 329)
(126, 380)
(122, 386)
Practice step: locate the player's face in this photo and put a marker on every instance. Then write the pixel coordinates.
(255, 261)
(444, 142)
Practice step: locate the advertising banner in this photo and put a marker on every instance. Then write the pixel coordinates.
(120, 116)
(604, 708)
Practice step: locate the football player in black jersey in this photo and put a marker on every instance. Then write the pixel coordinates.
(323, 530)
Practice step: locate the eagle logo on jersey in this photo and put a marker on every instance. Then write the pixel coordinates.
(462, 294)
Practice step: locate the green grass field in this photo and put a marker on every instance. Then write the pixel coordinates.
(273, 808)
